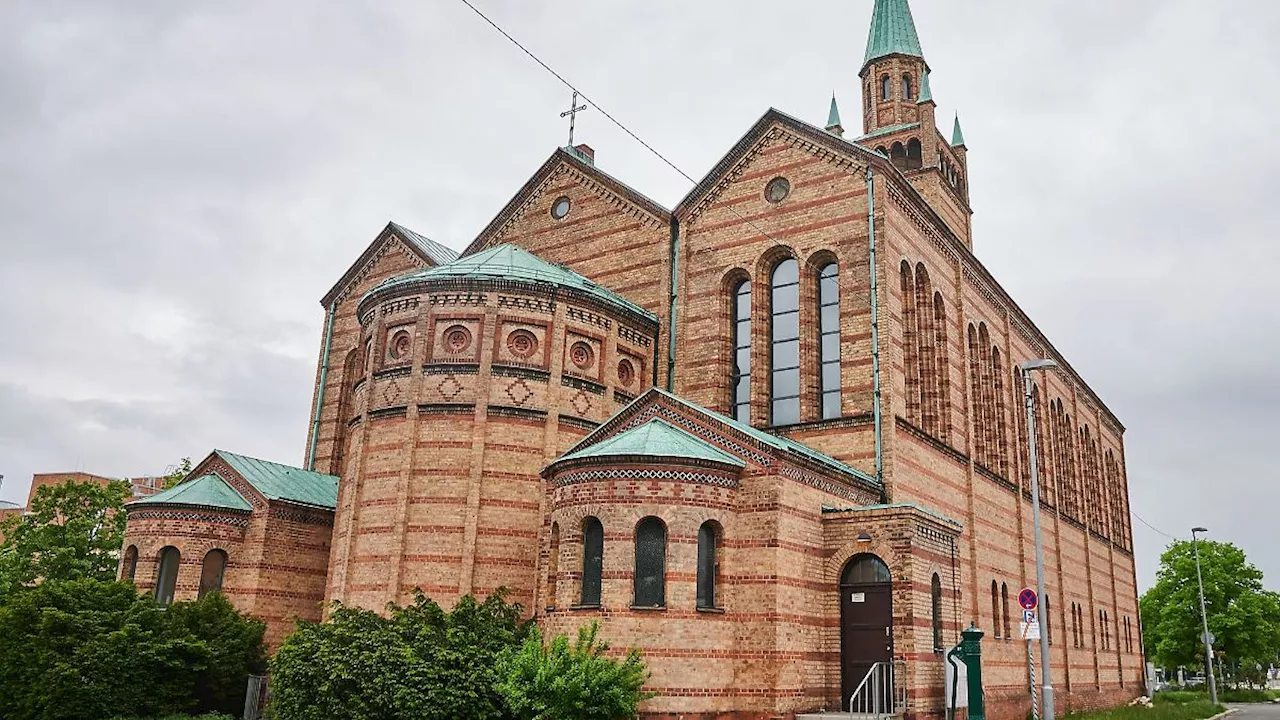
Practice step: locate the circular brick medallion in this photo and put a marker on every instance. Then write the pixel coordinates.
(626, 372)
(457, 339)
(582, 355)
(777, 190)
(522, 343)
(401, 345)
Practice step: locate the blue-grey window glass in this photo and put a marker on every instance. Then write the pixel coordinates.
(651, 564)
(212, 572)
(906, 88)
(167, 575)
(740, 400)
(592, 560)
(829, 339)
(885, 85)
(865, 569)
(707, 538)
(785, 355)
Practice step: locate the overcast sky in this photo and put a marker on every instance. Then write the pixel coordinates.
(180, 182)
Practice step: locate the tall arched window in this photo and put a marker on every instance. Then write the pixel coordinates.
(553, 565)
(592, 562)
(998, 409)
(785, 329)
(898, 155)
(915, 154)
(944, 365)
(167, 575)
(1075, 627)
(708, 563)
(829, 339)
(988, 405)
(130, 566)
(212, 571)
(929, 414)
(910, 344)
(995, 609)
(740, 392)
(978, 441)
(651, 563)
(935, 607)
(1004, 604)
(907, 91)
(886, 87)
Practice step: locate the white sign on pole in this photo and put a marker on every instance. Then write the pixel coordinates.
(1030, 626)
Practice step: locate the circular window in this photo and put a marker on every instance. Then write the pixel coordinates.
(400, 346)
(777, 190)
(626, 372)
(457, 339)
(582, 355)
(522, 343)
(560, 207)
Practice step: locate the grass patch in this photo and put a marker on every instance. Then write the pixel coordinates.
(208, 716)
(1179, 697)
(1195, 710)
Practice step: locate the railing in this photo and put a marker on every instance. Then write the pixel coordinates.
(256, 695)
(882, 693)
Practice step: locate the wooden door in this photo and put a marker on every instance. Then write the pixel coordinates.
(866, 631)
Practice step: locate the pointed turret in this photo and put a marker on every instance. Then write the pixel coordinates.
(893, 32)
(833, 119)
(926, 93)
(957, 136)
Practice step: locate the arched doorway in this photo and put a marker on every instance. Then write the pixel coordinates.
(866, 620)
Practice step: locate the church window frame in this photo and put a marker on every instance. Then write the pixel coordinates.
(168, 561)
(740, 351)
(886, 88)
(649, 584)
(553, 565)
(560, 207)
(213, 571)
(129, 568)
(907, 93)
(591, 587)
(784, 343)
(915, 154)
(829, 395)
(777, 190)
(935, 612)
(709, 534)
(1004, 605)
(995, 610)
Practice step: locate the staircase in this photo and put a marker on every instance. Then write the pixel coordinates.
(882, 695)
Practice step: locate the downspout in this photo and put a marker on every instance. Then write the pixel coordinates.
(875, 333)
(671, 313)
(324, 376)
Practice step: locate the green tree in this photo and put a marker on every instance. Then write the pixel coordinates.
(419, 662)
(71, 531)
(561, 681)
(1243, 616)
(235, 649)
(176, 473)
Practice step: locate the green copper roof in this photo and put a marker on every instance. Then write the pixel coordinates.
(893, 32)
(889, 129)
(438, 253)
(926, 93)
(206, 490)
(957, 137)
(656, 438)
(508, 262)
(833, 115)
(285, 482)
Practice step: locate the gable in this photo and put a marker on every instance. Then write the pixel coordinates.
(418, 250)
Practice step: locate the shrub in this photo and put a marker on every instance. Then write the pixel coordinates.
(558, 681)
(235, 649)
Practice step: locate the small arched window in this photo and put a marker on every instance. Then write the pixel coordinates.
(212, 571)
(829, 338)
(740, 392)
(651, 563)
(167, 575)
(553, 565)
(995, 609)
(866, 570)
(886, 87)
(1004, 604)
(785, 355)
(898, 155)
(935, 606)
(708, 563)
(592, 561)
(130, 566)
(915, 157)
(907, 90)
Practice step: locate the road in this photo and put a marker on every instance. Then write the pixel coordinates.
(1255, 711)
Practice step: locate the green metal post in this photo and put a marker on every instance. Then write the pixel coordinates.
(971, 653)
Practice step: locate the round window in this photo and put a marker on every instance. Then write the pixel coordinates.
(401, 345)
(560, 207)
(777, 190)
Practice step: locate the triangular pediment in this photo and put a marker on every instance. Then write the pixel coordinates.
(419, 249)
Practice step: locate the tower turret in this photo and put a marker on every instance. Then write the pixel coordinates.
(893, 69)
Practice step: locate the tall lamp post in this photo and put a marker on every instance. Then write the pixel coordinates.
(1204, 619)
(1028, 398)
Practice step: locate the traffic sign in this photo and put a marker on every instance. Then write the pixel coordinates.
(1027, 599)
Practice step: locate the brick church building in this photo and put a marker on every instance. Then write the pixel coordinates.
(770, 437)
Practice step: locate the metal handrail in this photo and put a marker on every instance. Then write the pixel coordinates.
(869, 699)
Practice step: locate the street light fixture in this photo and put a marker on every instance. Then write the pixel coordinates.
(1204, 619)
(1028, 398)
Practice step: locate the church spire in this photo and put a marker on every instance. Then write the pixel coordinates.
(926, 93)
(957, 137)
(893, 32)
(833, 119)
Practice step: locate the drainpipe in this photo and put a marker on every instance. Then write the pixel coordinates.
(671, 314)
(875, 333)
(324, 376)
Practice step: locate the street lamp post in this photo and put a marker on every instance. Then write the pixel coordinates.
(1204, 620)
(1028, 398)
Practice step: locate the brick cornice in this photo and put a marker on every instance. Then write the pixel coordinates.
(360, 269)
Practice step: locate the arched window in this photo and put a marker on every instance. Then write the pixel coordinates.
(907, 93)
(865, 570)
(915, 154)
(886, 87)
(1001, 464)
(935, 606)
(651, 563)
(829, 339)
(978, 441)
(910, 344)
(785, 357)
(898, 155)
(708, 563)
(212, 571)
(740, 392)
(553, 565)
(1004, 604)
(592, 562)
(944, 365)
(928, 369)
(995, 609)
(130, 566)
(167, 575)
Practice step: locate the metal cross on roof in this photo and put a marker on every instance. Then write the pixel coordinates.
(572, 114)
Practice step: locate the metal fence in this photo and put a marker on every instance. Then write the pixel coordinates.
(256, 695)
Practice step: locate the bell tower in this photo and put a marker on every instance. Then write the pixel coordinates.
(893, 71)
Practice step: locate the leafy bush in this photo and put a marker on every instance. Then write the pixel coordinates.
(558, 681)
(235, 650)
(420, 663)
(207, 716)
